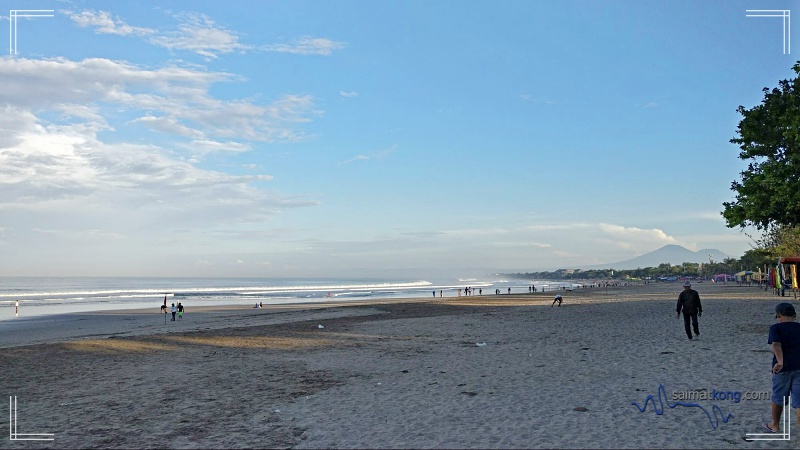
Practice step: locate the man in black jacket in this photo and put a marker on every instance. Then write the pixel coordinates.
(689, 302)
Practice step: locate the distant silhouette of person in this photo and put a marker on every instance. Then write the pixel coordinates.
(180, 311)
(174, 311)
(509, 290)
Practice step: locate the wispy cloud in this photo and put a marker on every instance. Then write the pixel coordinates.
(348, 94)
(199, 34)
(376, 155)
(540, 100)
(306, 45)
(210, 146)
(103, 23)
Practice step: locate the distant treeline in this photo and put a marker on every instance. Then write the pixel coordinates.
(704, 270)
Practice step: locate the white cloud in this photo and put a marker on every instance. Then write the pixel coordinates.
(169, 125)
(306, 45)
(60, 169)
(103, 23)
(348, 94)
(209, 146)
(121, 185)
(174, 100)
(633, 235)
(199, 34)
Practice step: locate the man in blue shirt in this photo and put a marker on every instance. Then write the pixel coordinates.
(785, 339)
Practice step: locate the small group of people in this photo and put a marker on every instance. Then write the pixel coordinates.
(467, 291)
(784, 341)
(174, 309)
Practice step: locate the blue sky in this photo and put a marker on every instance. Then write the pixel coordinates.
(364, 138)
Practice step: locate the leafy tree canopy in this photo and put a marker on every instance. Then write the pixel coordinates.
(768, 195)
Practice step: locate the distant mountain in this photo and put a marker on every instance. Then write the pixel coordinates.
(673, 254)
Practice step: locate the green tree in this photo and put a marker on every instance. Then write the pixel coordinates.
(787, 242)
(755, 258)
(768, 195)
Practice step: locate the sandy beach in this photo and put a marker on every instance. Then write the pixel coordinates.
(506, 371)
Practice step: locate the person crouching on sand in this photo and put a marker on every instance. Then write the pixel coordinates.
(557, 299)
(784, 337)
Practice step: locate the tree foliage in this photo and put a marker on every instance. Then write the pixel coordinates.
(687, 269)
(768, 194)
(787, 242)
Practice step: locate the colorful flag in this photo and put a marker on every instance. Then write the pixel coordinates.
(794, 276)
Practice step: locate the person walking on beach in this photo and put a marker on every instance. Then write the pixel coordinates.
(784, 337)
(180, 311)
(689, 302)
(174, 310)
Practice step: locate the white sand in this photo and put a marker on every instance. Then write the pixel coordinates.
(401, 374)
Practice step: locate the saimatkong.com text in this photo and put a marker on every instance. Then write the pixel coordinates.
(720, 395)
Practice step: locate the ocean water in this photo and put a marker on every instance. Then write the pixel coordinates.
(39, 296)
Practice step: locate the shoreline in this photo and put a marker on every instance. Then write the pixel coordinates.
(58, 327)
(503, 371)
